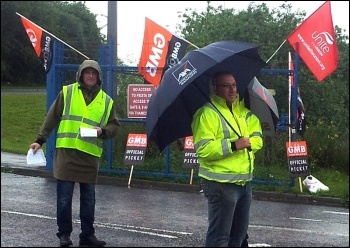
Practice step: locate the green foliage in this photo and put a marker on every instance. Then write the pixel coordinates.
(326, 104)
(70, 21)
(257, 25)
(328, 147)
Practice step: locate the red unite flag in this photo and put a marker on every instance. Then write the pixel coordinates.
(160, 51)
(315, 42)
(41, 41)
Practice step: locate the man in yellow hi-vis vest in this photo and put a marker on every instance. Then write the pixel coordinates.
(82, 105)
(226, 135)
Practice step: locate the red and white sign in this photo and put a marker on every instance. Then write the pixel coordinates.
(190, 158)
(297, 148)
(189, 142)
(135, 149)
(137, 140)
(138, 98)
(297, 159)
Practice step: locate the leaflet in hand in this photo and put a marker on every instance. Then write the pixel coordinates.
(36, 159)
(88, 132)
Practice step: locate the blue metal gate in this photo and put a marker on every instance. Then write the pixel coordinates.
(57, 76)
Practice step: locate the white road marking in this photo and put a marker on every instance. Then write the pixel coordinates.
(333, 212)
(155, 232)
(296, 218)
(297, 230)
(259, 245)
(137, 229)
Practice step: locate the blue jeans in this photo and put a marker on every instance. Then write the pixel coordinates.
(64, 208)
(228, 213)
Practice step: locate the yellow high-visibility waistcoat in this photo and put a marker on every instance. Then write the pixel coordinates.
(212, 137)
(77, 114)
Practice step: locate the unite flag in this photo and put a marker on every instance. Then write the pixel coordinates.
(160, 51)
(315, 42)
(41, 41)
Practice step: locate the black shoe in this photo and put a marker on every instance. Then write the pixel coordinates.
(92, 241)
(65, 240)
(245, 241)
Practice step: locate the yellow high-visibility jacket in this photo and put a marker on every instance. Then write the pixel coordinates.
(77, 114)
(212, 138)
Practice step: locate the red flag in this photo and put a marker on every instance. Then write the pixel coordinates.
(314, 40)
(160, 50)
(41, 41)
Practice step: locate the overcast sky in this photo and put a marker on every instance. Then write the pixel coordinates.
(131, 18)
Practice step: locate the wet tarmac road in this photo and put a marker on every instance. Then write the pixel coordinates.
(135, 217)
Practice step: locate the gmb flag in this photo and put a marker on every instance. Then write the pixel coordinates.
(41, 41)
(314, 41)
(160, 51)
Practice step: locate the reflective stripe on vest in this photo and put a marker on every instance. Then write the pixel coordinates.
(225, 130)
(225, 177)
(80, 115)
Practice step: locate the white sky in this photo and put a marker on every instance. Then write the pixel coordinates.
(131, 18)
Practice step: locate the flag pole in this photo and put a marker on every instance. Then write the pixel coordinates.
(291, 81)
(276, 50)
(54, 36)
(186, 41)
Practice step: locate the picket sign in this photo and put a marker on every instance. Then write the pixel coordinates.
(190, 158)
(135, 151)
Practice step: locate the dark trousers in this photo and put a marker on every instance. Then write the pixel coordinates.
(64, 208)
(228, 213)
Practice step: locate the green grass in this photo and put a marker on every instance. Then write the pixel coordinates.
(23, 114)
(21, 118)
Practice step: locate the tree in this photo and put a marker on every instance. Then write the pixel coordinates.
(70, 21)
(326, 103)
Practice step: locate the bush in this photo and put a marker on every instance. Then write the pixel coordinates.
(326, 148)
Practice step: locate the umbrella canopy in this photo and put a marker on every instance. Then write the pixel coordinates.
(261, 102)
(186, 86)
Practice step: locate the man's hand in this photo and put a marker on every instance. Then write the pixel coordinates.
(99, 131)
(35, 146)
(243, 143)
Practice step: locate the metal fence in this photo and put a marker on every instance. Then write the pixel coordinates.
(163, 165)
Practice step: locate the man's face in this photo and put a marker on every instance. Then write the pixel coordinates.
(90, 76)
(226, 88)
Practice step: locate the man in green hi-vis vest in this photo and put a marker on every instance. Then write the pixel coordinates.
(79, 106)
(226, 136)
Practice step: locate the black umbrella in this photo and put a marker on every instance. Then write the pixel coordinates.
(262, 103)
(185, 87)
